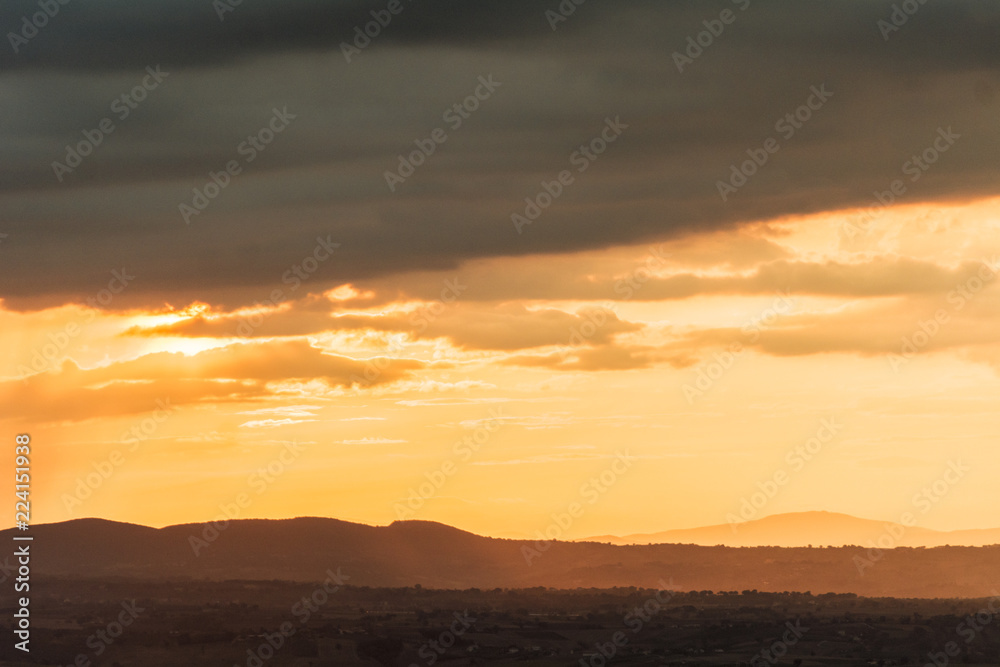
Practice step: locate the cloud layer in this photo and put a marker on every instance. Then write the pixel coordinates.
(324, 174)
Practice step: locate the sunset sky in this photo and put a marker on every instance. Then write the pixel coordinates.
(365, 335)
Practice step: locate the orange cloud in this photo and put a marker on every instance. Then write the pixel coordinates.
(240, 372)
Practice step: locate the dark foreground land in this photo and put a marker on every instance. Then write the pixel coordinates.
(254, 623)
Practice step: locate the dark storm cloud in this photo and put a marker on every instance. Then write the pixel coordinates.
(323, 176)
(117, 34)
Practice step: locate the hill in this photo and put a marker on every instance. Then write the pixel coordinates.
(800, 529)
(438, 556)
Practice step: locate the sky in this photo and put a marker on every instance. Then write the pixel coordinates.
(518, 269)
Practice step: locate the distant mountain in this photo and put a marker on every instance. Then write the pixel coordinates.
(800, 529)
(438, 556)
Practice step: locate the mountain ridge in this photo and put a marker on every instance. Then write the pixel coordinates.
(826, 529)
(435, 555)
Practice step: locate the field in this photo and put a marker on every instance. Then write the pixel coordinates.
(124, 623)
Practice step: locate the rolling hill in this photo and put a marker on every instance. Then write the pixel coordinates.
(437, 556)
(802, 529)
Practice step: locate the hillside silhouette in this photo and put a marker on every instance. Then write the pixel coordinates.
(434, 555)
(800, 529)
